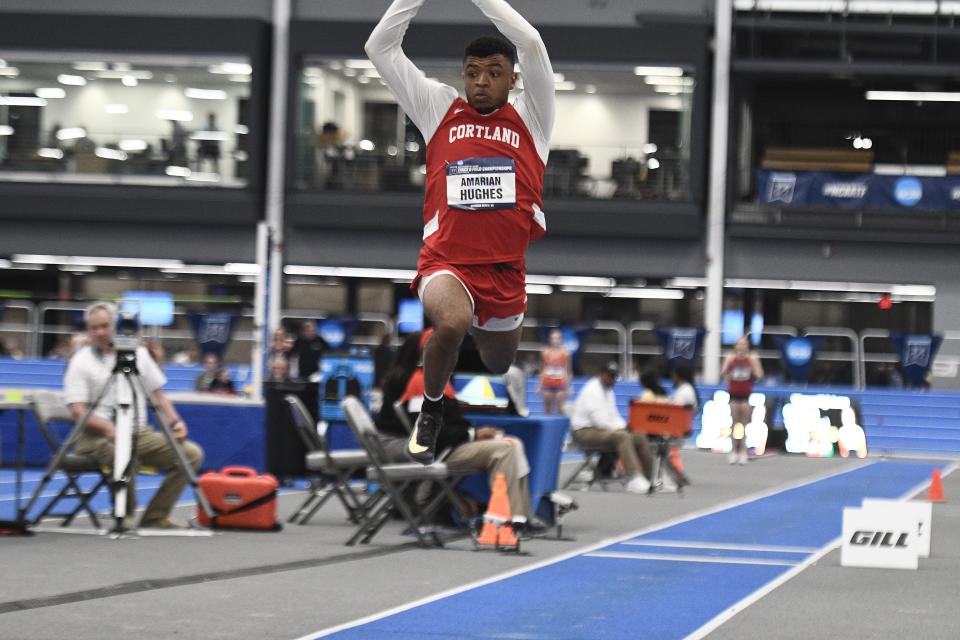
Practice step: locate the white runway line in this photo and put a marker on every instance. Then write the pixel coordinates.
(736, 502)
(677, 558)
(720, 546)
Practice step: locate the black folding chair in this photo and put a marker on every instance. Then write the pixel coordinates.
(393, 479)
(49, 408)
(591, 461)
(333, 469)
(402, 416)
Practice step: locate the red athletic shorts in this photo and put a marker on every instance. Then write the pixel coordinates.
(497, 291)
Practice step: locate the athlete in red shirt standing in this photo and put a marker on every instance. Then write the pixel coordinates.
(484, 190)
(740, 369)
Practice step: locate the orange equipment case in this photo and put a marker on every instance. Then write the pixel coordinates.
(660, 418)
(240, 498)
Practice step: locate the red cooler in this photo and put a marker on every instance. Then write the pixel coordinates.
(241, 499)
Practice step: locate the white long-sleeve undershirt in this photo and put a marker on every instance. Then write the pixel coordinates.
(426, 101)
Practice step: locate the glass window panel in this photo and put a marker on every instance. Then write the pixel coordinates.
(106, 118)
(622, 132)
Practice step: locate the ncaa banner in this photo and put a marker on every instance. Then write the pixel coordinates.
(213, 331)
(916, 354)
(680, 345)
(798, 354)
(336, 331)
(857, 190)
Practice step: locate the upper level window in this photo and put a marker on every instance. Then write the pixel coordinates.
(139, 119)
(621, 131)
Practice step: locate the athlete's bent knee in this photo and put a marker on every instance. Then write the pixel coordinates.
(451, 330)
(496, 363)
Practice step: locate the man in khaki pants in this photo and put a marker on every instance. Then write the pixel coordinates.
(483, 448)
(89, 371)
(598, 426)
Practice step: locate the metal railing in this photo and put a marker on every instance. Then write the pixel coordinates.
(617, 347)
(377, 324)
(608, 339)
(852, 356)
(42, 329)
(26, 328)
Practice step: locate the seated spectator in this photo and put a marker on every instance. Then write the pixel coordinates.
(684, 394)
(11, 349)
(289, 356)
(60, 350)
(85, 377)
(308, 350)
(652, 390)
(277, 342)
(77, 341)
(214, 378)
(471, 448)
(185, 357)
(382, 359)
(156, 351)
(279, 369)
(598, 425)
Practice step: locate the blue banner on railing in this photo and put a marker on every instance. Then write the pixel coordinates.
(680, 345)
(213, 331)
(337, 331)
(799, 354)
(857, 190)
(916, 354)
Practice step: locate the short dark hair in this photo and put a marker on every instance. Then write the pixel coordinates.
(486, 46)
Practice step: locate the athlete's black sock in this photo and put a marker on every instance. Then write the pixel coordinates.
(433, 407)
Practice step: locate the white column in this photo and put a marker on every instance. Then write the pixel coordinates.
(716, 212)
(260, 311)
(275, 158)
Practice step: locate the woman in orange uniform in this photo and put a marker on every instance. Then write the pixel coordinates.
(555, 373)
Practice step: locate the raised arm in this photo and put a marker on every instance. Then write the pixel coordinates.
(727, 362)
(536, 104)
(424, 101)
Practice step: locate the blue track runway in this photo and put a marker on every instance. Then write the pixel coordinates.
(667, 583)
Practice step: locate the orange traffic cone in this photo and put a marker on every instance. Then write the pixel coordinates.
(499, 508)
(488, 535)
(506, 537)
(936, 487)
(496, 529)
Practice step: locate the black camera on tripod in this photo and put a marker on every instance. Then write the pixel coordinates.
(126, 339)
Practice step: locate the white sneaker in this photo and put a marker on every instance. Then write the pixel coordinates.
(668, 485)
(732, 457)
(638, 484)
(742, 459)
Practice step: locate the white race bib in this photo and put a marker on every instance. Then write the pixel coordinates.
(482, 184)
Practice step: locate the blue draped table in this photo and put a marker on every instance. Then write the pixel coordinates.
(231, 431)
(542, 437)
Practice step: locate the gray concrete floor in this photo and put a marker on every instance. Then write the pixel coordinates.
(284, 585)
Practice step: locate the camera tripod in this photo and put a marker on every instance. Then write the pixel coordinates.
(128, 387)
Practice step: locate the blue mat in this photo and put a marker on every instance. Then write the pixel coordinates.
(662, 584)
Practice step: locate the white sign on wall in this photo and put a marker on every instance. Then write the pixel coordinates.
(917, 514)
(882, 538)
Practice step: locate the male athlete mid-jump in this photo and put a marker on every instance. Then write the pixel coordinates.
(484, 190)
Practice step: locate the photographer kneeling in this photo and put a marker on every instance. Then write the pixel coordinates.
(89, 371)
